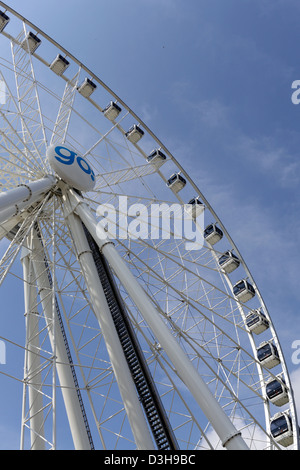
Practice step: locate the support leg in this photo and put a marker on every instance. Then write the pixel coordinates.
(77, 426)
(230, 437)
(32, 366)
(121, 370)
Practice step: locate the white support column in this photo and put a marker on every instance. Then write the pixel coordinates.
(76, 422)
(120, 367)
(23, 196)
(230, 437)
(32, 363)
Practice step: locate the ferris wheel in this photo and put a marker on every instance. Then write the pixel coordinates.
(134, 333)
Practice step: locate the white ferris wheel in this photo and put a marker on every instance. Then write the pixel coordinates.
(125, 342)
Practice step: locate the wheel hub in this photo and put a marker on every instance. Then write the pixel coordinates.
(71, 167)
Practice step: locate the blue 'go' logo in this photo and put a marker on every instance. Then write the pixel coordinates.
(68, 158)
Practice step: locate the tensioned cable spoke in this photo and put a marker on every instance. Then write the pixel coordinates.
(63, 118)
(28, 99)
(19, 144)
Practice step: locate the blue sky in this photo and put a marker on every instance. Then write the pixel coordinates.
(212, 79)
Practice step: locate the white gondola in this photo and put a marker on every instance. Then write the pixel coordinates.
(156, 158)
(213, 234)
(31, 42)
(176, 182)
(134, 134)
(112, 111)
(87, 88)
(195, 207)
(4, 20)
(228, 262)
(267, 354)
(59, 65)
(243, 291)
(277, 391)
(257, 322)
(282, 428)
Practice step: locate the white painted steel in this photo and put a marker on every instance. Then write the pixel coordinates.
(22, 197)
(230, 437)
(66, 381)
(101, 309)
(32, 359)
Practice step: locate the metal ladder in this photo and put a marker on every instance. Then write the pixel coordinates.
(145, 386)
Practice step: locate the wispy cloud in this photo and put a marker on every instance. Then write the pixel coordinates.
(269, 157)
(213, 113)
(253, 436)
(265, 154)
(210, 114)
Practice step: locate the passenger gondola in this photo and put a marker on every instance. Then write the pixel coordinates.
(257, 322)
(267, 354)
(59, 65)
(156, 158)
(213, 234)
(134, 134)
(112, 111)
(277, 391)
(243, 290)
(30, 43)
(176, 182)
(195, 207)
(228, 262)
(282, 429)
